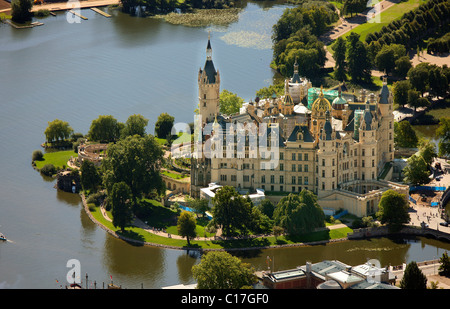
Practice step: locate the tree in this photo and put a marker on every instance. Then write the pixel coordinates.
(199, 205)
(105, 128)
(90, 178)
(163, 126)
(443, 132)
(186, 226)
(267, 207)
(299, 213)
(404, 134)
(136, 161)
(231, 211)
(277, 231)
(416, 170)
(413, 278)
(400, 92)
(135, 125)
(402, 66)
(221, 270)
(418, 77)
(427, 150)
(358, 62)
(393, 209)
(340, 49)
(57, 131)
(229, 102)
(444, 268)
(120, 204)
(21, 10)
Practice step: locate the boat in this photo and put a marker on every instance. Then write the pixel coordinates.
(2, 237)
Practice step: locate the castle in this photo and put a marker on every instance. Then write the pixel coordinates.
(340, 149)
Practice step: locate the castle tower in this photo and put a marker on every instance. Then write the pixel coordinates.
(208, 88)
(385, 133)
(327, 159)
(318, 113)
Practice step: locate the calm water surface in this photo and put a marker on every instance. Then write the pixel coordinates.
(122, 66)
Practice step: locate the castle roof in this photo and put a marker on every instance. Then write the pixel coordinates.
(321, 104)
(305, 135)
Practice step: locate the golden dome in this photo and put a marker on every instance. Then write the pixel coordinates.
(321, 104)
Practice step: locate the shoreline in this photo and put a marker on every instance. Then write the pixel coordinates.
(380, 232)
(144, 243)
(63, 6)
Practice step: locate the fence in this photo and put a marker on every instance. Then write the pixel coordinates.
(426, 188)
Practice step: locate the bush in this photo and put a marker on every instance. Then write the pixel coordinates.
(37, 156)
(42, 13)
(96, 198)
(48, 170)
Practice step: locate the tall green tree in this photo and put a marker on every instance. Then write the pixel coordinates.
(404, 134)
(121, 205)
(340, 50)
(427, 150)
(221, 270)
(231, 211)
(400, 92)
(186, 226)
(413, 278)
(229, 102)
(416, 170)
(136, 161)
(444, 268)
(358, 62)
(21, 10)
(299, 213)
(163, 126)
(443, 132)
(105, 128)
(57, 131)
(418, 77)
(135, 125)
(90, 177)
(393, 209)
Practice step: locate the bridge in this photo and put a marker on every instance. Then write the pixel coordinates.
(407, 230)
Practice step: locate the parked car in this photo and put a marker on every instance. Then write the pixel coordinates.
(444, 223)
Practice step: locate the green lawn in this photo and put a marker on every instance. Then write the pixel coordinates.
(173, 175)
(57, 158)
(394, 12)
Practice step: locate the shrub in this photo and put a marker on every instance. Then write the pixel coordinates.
(42, 13)
(96, 198)
(48, 170)
(37, 156)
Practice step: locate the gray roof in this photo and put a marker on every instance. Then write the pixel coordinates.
(384, 95)
(306, 134)
(210, 72)
(367, 116)
(328, 129)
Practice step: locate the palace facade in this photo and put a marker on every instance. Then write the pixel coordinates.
(340, 147)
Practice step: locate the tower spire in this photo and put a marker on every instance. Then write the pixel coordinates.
(208, 47)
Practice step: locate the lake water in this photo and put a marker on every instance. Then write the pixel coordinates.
(121, 66)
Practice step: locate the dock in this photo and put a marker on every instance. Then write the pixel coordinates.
(100, 12)
(26, 26)
(77, 14)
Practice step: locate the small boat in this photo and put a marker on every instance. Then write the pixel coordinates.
(2, 237)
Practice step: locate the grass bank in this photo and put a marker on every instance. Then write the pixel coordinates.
(58, 159)
(141, 235)
(394, 12)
